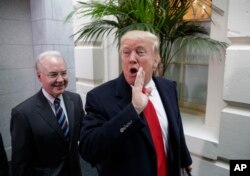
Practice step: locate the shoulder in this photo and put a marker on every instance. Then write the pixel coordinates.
(104, 93)
(106, 87)
(68, 95)
(27, 104)
(25, 109)
(71, 94)
(165, 82)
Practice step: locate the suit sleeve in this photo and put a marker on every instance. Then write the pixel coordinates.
(102, 132)
(22, 146)
(185, 157)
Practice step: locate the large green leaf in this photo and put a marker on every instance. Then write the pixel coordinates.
(162, 17)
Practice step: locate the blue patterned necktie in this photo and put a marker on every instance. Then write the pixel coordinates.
(61, 118)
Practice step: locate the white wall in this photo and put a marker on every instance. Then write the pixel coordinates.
(230, 140)
(17, 80)
(235, 118)
(51, 32)
(96, 61)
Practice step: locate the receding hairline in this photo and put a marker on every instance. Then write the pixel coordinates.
(47, 54)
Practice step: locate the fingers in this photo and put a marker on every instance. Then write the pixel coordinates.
(139, 99)
(139, 80)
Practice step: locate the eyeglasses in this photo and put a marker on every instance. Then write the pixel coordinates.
(54, 75)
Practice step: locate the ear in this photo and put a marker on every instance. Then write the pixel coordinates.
(38, 76)
(156, 62)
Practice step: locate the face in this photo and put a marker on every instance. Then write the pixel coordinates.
(136, 53)
(53, 76)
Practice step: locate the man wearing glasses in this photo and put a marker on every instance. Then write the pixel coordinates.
(45, 128)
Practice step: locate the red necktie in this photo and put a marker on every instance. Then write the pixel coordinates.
(155, 130)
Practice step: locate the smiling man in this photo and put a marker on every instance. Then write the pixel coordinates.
(133, 125)
(45, 128)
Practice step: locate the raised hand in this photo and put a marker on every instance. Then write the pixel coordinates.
(139, 99)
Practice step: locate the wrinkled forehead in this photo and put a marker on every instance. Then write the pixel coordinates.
(51, 64)
(135, 44)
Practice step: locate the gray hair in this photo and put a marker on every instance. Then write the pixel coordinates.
(47, 54)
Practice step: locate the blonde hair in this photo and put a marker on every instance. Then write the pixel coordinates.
(138, 34)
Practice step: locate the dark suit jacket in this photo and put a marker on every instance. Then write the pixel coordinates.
(38, 144)
(118, 142)
(4, 166)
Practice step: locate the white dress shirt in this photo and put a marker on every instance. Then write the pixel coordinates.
(51, 103)
(160, 111)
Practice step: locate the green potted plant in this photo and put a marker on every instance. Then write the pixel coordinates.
(162, 17)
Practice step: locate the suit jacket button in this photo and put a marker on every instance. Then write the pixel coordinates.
(122, 130)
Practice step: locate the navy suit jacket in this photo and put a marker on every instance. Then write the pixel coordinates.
(38, 144)
(117, 141)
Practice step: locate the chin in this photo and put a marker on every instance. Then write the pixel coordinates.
(131, 82)
(59, 91)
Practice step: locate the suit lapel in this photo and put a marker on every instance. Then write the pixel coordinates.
(170, 104)
(45, 111)
(69, 105)
(124, 94)
(164, 93)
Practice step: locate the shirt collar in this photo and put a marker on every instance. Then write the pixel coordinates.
(49, 97)
(150, 84)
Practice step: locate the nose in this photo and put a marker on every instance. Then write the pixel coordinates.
(59, 78)
(133, 57)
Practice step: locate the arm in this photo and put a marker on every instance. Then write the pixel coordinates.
(22, 146)
(185, 157)
(105, 129)
(108, 124)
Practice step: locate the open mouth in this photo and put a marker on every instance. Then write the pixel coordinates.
(133, 70)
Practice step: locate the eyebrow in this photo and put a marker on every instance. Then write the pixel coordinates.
(138, 47)
(58, 72)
